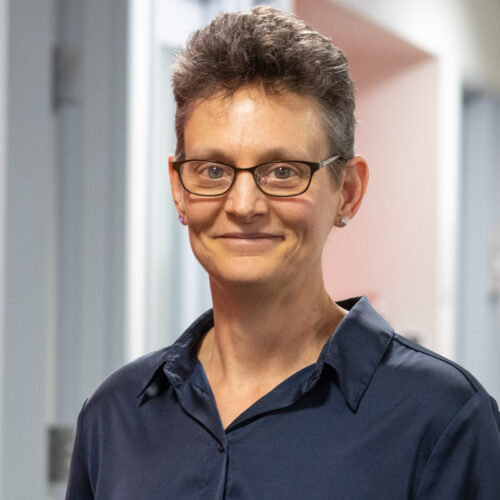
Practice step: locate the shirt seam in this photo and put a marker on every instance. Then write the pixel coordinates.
(476, 394)
(403, 342)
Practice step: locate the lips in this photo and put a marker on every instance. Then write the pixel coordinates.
(249, 236)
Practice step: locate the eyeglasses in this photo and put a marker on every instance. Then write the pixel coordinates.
(275, 178)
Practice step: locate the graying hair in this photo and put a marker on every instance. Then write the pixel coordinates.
(272, 48)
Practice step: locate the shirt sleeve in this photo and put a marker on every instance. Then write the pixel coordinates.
(465, 462)
(79, 487)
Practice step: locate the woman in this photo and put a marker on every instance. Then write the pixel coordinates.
(279, 392)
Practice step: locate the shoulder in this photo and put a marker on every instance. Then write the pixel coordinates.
(455, 421)
(123, 387)
(429, 366)
(427, 382)
(432, 404)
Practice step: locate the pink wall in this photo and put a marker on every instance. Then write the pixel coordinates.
(388, 251)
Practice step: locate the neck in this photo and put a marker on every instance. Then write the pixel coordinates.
(265, 333)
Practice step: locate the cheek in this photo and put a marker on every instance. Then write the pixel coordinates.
(201, 212)
(312, 221)
(301, 219)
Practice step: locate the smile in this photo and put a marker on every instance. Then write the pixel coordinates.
(249, 239)
(249, 236)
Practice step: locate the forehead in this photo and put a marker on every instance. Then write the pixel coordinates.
(251, 121)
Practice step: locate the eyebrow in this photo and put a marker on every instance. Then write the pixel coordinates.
(271, 154)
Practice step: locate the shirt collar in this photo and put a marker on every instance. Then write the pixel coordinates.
(357, 348)
(354, 352)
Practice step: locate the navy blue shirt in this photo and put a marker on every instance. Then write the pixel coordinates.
(376, 417)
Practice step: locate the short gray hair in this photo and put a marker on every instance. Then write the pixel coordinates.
(275, 49)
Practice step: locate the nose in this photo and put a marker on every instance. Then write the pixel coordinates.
(245, 200)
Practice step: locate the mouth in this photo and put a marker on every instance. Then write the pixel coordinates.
(249, 236)
(249, 243)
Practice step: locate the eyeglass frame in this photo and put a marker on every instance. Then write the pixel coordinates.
(313, 165)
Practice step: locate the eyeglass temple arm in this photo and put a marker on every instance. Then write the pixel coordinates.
(328, 161)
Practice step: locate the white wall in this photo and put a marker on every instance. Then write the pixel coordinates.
(387, 252)
(463, 32)
(464, 37)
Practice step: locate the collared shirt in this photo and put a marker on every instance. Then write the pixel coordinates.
(376, 417)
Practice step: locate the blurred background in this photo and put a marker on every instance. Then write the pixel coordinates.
(95, 269)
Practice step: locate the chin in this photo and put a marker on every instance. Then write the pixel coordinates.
(244, 271)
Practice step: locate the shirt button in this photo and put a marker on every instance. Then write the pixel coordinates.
(220, 447)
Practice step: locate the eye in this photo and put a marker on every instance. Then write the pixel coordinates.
(210, 170)
(283, 172)
(214, 171)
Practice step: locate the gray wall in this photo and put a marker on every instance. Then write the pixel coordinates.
(63, 180)
(478, 322)
(91, 166)
(91, 206)
(28, 253)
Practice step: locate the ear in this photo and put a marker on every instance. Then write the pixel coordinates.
(177, 189)
(353, 184)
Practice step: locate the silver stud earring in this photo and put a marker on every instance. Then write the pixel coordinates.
(344, 220)
(180, 218)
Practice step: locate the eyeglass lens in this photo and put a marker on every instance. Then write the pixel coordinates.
(277, 178)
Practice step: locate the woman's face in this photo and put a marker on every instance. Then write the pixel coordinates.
(246, 236)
